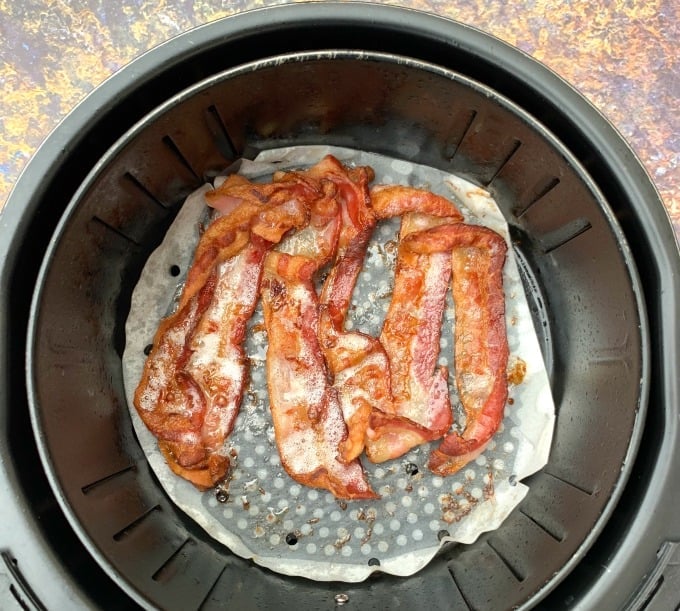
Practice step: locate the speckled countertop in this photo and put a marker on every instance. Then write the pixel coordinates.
(621, 54)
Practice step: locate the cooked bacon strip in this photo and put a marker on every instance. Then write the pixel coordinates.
(359, 363)
(420, 409)
(263, 209)
(481, 345)
(217, 363)
(411, 333)
(390, 435)
(357, 223)
(308, 420)
(169, 402)
(360, 371)
(395, 200)
(193, 380)
(346, 202)
(412, 326)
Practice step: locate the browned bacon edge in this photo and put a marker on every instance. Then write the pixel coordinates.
(168, 401)
(359, 363)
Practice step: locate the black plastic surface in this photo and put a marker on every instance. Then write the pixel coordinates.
(574, 253)
(646, 515)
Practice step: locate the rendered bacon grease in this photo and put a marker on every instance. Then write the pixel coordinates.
(333, 369)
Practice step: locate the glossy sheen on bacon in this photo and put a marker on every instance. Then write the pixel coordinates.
(357, 221)
(217, 362)
(411, 334)
(265, 210)
(170, 403)
(481, 346)
(388, 201)
(360, 370)
(357, 362)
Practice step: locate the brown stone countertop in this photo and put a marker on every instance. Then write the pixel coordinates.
(621, 54)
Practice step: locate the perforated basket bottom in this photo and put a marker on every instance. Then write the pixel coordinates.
(302, 531)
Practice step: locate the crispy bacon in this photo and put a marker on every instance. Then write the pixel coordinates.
(420, 409)
(361, 377)
(481, 346)
(217, 363)
(306, 409)
(359, 363)
(388, 201)
(356, 226)
(411, 333)
(266, 210)
(169, 402)
(193, 380)
(333, 393)
(308, 421)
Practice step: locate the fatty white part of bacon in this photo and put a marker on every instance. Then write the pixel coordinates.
(217, 360)
(351, 401)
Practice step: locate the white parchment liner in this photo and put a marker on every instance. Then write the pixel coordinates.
(306, 532)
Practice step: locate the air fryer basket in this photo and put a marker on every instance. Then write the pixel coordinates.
(423, 89)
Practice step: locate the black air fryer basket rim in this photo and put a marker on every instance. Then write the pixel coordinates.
(632, 182)
(336, 54)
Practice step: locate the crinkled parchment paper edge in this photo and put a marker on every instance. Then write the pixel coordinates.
(487, 515)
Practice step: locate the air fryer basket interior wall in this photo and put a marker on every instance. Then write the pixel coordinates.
(124, 238)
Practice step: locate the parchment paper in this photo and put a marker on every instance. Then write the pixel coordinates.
(306, 532)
